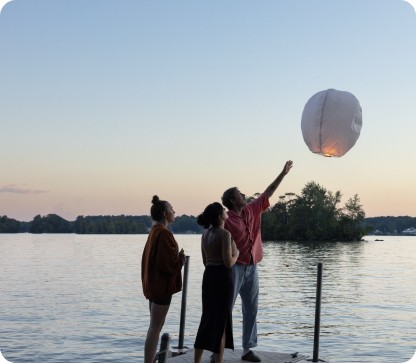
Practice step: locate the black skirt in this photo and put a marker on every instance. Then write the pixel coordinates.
(217, 304)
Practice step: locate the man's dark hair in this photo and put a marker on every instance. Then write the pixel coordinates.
(228, 194)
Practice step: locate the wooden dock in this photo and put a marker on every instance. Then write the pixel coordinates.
(233, 357)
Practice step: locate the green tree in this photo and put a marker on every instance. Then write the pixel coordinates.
(36, 226)
(185, 223)
(51, 223)
(315, 214)
(351, 221)
(9, 225)
(79, 225)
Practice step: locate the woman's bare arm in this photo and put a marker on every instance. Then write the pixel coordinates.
(204, 257)
(227, 251)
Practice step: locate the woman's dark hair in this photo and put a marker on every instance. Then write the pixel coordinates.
(158, 208)
(211, 215)
(228, 194)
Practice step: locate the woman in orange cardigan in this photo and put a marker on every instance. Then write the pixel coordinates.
(161, 272)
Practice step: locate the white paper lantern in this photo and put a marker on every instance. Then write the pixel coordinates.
(331, 122)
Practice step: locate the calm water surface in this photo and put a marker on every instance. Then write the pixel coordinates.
(77, 298)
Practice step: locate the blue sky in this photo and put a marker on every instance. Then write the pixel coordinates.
(105, 103)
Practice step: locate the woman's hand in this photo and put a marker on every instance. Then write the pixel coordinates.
(228, 255)
(182, 256)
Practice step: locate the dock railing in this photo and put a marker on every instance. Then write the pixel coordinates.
(183, 306)
(165, 352)
(317, 328)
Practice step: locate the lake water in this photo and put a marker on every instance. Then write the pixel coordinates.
(78, 298)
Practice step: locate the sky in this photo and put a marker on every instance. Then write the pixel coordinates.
(105, 103)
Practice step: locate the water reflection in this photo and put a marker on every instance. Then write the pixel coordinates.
(71, 298)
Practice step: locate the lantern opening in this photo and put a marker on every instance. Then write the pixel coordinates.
(328, 155)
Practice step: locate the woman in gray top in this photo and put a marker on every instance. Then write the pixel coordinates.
(219, 253)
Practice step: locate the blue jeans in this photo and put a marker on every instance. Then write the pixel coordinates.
(246, 283)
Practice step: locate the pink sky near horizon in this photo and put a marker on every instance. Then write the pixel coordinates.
(192, 191)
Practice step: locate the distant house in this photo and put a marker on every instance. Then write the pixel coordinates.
(377, 231)
(409, 231)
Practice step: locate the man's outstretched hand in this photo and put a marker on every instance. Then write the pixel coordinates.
(273, 186)
(287, 166)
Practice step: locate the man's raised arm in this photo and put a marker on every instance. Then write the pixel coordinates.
(273, 186)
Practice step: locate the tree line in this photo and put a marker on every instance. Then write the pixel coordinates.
(391, 225)
(315, 214)
(9, 225)
(52, 223)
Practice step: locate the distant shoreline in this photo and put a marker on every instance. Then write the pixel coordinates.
(54, 224)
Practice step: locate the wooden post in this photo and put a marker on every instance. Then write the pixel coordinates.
(317, 315)
(164, 347)
(183, 307)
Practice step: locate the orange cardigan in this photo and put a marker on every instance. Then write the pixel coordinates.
(161, 265)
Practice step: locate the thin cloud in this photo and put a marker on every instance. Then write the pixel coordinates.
(12, 189)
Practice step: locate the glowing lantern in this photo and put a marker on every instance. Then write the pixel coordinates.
(331, 122)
